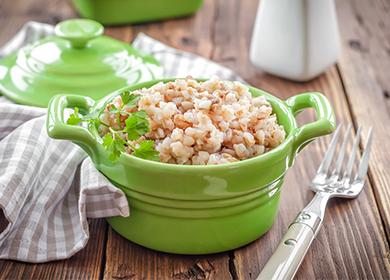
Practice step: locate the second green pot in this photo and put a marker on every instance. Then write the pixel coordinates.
(115, 12)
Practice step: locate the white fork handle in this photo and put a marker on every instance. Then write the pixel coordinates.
(284, 263)
(288, 256)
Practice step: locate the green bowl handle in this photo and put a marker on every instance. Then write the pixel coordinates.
(325, 123)
(57, 127)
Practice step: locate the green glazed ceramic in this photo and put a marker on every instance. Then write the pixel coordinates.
(133, 11)
(197, 209)
(78, 60)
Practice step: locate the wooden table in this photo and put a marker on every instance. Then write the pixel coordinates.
(354, 241)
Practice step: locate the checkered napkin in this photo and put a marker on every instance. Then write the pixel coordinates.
(48, 188)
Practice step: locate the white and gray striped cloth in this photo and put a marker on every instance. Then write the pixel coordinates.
(48, 188)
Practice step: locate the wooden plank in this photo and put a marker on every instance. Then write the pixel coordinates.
(365, 68)
(351, 243)
(86, 264)
(126, 260)
(14, 14)
(51, 11)
(189, 33)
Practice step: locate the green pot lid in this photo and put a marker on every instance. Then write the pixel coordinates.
(78, 59)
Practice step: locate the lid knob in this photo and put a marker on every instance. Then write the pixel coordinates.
(78, 31)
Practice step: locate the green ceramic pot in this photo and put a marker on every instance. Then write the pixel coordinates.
(134, 11)
(197, 209)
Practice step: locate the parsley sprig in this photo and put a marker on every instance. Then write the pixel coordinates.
(136, 125)
(74, 118)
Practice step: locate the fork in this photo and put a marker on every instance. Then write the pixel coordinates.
(327, 183)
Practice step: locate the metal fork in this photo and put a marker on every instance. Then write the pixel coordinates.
(328, 183)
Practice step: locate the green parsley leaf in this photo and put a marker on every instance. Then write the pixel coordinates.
(107, 140)
(96, 122)
(146, 150)
(92, 118)
(74, 118)
(129, 99)
(113, 109)
(114, 145)
(137, 124)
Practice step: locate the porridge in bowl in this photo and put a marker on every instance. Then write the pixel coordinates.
(191, 122)
(197, 209)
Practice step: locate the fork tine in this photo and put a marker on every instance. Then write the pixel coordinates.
(351, 161)
(340, 158)
(324, 166)
(366, 155)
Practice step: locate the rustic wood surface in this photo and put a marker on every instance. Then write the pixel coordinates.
(354, 240)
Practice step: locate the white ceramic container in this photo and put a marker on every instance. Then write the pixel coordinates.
(295, 39)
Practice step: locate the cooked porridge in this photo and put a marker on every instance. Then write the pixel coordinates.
(191, 122)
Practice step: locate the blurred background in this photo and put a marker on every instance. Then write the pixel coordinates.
(222, 30)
